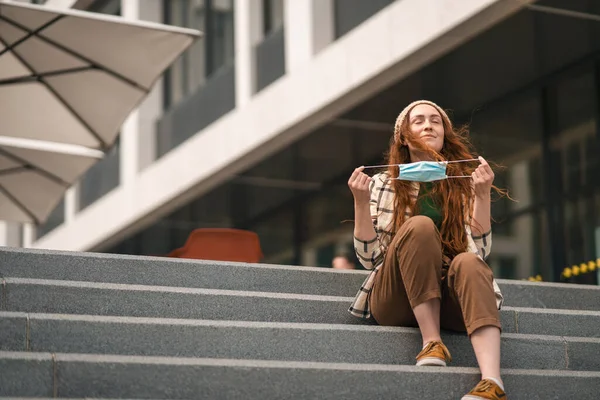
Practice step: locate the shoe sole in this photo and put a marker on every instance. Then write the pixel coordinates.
(431, 362)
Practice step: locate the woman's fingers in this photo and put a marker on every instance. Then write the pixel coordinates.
(482, 174)
(355, 175)
(485, 166)
(359, 179)
(365, 180)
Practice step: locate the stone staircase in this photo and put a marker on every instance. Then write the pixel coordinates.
(82, 325)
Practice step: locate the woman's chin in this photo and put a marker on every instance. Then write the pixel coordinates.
(433, 145)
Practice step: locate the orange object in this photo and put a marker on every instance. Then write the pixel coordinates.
(220, 244)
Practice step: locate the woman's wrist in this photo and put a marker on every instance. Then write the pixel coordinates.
(361, 203)
(483, 196)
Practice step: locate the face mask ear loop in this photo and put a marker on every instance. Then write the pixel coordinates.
(457, 161)
(441, 162)
(381, 166)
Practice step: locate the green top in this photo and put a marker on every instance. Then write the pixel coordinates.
(426, 205)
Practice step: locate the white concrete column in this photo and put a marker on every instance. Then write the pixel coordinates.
(3, 233)
(138, 132)
(308, 28)
(523, 227)
(71, 203)
(247, 33)
(28, 234)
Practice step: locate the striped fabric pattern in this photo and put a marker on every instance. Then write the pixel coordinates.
(371, 253)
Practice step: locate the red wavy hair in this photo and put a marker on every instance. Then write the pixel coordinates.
(454, 197)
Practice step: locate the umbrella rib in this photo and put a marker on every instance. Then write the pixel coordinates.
(37, 169)
(19, 204)
(60, 99)
(30, 33)
(13, 170)
(80, 56)
(30, 78)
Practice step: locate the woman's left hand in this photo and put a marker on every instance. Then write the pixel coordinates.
(483, 177)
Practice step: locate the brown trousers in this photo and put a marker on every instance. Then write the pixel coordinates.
(412, 274)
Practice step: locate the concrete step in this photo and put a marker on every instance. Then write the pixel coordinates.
(159, 271)
(76, 375)
(88, 298)
(275, 341)
(68, 297)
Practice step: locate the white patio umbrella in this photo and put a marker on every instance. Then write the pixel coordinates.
(69, 77)
(34, 176)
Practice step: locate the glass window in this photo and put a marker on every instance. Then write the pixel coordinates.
(207, 55)
(351, 13)
(509, 134)
(111, 7)
(576, 129)
(574, 136)
(507, 267)
(219, 25)
(272, 16)
(325, 255)
(270, 52)
(101, 178)
(55, 219)
(276, 233)
(329, 211)
(526, 251)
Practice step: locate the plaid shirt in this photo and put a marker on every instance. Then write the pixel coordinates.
(371, 253)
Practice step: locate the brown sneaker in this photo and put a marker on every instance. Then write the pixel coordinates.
(434, 353)
(485, 389)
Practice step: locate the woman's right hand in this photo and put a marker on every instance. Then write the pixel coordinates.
(359, 186)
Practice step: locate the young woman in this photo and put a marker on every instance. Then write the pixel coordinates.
(427, 241)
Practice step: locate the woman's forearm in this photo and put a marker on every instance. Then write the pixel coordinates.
(363, 224)
(481, 223)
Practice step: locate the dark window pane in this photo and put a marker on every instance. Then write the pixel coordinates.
(351, 13)
(101, 178)
(526, 251)
(272, 15)
(574, 147)
(199, 88)
(55, 219)
(206, 56)
(270, 59)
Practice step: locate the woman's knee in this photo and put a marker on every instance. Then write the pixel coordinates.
(418, 236)
(420, 225)
(470, 264)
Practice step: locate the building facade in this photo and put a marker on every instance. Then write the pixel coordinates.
(259, 125)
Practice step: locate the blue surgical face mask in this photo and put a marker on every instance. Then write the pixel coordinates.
(425, 171)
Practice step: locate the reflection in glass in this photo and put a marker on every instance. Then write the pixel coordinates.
(574, 143)
(204, 57)
(510, 134)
